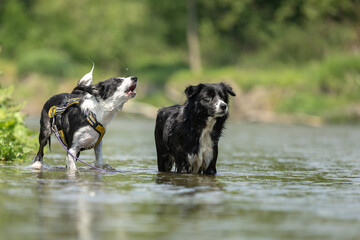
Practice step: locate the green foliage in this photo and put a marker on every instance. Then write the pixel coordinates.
(246, 78)
(298, 47)
(340, 75)
(301, 44)
(118, 34)
(322, 88)
(44, 61)
(285, 31)
(158, 99)
(15, 25)
(305, 102)
(15, 138)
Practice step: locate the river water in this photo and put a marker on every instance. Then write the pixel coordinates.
(273, 182)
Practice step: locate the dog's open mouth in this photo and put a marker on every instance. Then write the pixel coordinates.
(131, 90)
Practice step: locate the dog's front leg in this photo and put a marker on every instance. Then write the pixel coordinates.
(70, 161)
(211, 170)
(98, 154)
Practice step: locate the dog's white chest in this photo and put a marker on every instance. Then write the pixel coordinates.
(90, 104)
(205, 154)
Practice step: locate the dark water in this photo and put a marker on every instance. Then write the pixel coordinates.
(274, 182)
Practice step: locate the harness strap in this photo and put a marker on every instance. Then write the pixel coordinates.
(55, 110)
(55, 113)
(57, 136)
(98, 127)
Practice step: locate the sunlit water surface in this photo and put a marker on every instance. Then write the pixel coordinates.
(273, 182)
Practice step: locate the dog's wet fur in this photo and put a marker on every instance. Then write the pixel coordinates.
(103, 100)
(188, 134)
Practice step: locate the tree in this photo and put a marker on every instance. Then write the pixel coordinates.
(192, 37)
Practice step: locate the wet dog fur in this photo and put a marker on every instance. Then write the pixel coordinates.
(103, 99)
(188, 134)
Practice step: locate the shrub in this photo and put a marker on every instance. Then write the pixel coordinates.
(15, 138)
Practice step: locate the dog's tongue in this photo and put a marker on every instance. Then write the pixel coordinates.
(131, 89)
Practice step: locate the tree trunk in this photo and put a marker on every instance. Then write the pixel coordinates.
(192, 37)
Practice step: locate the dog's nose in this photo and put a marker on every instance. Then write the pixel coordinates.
(223, 106)
(134, 79)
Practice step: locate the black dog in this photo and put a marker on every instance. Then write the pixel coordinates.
(81, 117)
(189, 134)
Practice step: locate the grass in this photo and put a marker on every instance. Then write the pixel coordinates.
(320, 88)
(329, 88)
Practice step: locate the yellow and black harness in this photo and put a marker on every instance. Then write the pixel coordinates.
(55, 113)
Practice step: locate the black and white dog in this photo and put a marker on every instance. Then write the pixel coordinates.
(99, 102)
(188, 134)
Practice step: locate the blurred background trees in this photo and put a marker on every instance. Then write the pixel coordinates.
(119, 33)
(304, 55)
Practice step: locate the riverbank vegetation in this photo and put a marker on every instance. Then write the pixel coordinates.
(16, 140)
(329, 88)
(286, 59)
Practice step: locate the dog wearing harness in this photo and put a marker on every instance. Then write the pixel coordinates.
(80, 118)
(55, 113)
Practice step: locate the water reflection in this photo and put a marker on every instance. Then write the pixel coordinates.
(67, 196)
(198, 182)
(273, 182)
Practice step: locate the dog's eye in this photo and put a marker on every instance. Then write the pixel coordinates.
(207, 99)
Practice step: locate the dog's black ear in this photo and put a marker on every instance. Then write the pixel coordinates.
(228, 89)
(192, 90)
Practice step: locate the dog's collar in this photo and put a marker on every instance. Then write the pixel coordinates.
(91, 119)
